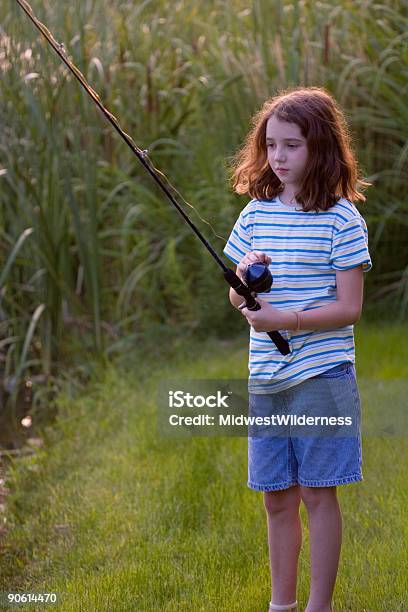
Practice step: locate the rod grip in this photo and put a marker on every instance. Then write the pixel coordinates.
(239, 287)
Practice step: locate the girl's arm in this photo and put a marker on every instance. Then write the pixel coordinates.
(235, 299)
(346, 310)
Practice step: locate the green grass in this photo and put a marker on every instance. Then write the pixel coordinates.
(115, 518)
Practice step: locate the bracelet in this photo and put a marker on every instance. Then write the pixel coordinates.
(298, 322)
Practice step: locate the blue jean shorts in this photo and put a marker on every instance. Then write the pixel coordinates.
(285, 456)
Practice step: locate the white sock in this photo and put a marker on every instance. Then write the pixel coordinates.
(290, 606)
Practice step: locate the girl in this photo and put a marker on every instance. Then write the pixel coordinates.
(298, 166)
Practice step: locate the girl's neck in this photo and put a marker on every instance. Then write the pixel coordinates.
(287, 198)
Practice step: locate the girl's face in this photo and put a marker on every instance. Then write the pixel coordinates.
(287, 150)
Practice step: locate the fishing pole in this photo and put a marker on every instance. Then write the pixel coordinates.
(258, 278)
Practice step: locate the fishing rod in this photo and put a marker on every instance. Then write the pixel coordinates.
(257, 278)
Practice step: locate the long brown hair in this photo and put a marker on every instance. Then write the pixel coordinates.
(333, 169)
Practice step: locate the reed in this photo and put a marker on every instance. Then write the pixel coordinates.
(104, 257)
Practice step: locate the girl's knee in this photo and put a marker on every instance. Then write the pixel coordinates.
(315, 496)
(285, 501)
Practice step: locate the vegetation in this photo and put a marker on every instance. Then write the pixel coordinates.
(103, 283)
(94, 255)
(113, 516)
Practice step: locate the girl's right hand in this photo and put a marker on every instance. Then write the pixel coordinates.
(250, 258)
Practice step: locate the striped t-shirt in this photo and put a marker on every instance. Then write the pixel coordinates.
(306, 249)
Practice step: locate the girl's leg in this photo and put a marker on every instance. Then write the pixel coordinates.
(325, 529)
(285, 540)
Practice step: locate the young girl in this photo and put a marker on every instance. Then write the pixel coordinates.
(298, 166)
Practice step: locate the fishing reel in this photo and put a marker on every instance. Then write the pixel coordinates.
(258, 277)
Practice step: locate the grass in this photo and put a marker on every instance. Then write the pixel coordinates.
(115, 518)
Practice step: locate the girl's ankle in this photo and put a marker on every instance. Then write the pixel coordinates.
(313, 608)
(290, 607)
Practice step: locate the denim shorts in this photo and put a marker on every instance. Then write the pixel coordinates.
(282, 457)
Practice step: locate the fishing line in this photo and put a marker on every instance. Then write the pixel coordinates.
(258, 277)
(59, 48)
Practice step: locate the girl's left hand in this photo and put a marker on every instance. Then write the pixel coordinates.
(267, 318)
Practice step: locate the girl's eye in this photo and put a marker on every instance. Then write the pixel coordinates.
(291, 146)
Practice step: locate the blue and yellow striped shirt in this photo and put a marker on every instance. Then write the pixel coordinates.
(306, 249)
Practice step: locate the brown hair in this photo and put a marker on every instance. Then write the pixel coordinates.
(333, 169)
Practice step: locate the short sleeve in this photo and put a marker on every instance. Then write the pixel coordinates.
(239, 242)
(350, 246)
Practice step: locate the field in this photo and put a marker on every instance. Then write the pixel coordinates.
(113, 517)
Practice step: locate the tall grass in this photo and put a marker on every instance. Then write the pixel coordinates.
(104, 258)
